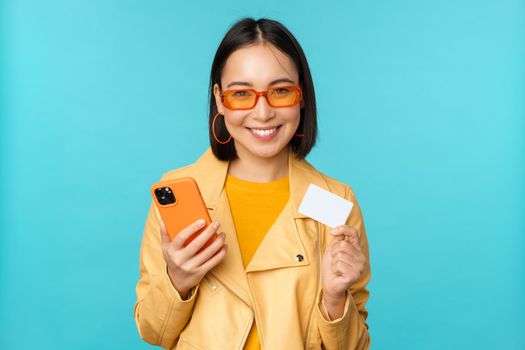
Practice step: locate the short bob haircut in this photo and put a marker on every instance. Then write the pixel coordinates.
(246, 32)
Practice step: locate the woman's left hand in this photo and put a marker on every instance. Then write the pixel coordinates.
(343, 263)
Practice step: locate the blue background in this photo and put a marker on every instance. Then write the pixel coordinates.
(421, 110)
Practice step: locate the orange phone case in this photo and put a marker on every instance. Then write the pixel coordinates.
(188, 206)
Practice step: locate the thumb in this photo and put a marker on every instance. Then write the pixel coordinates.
(164, 238)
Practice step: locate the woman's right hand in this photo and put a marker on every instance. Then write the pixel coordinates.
(187, 266)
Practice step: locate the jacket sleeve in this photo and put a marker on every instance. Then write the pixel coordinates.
(160, 313)
(351, 330)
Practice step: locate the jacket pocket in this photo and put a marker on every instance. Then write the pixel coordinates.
(185, 344)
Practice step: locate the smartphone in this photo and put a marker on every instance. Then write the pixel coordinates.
(180, 204)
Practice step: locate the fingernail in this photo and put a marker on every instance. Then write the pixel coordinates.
(216, 225)
(201, 222)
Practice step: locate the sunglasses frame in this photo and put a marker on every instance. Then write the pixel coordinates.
(262, 93)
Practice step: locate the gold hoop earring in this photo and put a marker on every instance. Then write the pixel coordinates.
(213, 131)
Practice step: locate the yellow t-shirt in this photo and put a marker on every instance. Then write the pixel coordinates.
(254, 207)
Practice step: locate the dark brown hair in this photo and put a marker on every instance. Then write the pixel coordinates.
(248, 31)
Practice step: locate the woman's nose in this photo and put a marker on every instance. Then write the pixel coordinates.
(262, 111)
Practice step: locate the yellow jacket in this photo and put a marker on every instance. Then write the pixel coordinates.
(282, 291)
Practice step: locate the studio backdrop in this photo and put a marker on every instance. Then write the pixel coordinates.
(425, 100)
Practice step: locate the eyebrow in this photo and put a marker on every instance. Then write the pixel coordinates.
(277, 81)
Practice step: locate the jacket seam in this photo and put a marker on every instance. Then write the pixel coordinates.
(255, 313)
(247, 333)
(318, 283)
(252, 313)
(165, 326)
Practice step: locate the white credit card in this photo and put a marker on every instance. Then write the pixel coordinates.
(325, 207)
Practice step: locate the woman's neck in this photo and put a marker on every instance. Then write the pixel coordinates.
(257, 169)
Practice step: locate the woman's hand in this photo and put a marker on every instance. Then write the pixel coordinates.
(187, 266)
(343, 263)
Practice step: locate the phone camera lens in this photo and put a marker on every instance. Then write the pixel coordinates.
(164, 196)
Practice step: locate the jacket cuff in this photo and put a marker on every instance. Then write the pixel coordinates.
(162, 314)
(172, 311)
(334, 332)
(174, 293)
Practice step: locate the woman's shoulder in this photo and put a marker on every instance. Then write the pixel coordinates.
(177, 172)
(206, 164)
(332, 184)
(183, 171)
(340, 188)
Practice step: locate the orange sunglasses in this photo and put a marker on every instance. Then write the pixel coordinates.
(277, 97)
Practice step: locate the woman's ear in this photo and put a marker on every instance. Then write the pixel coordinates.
(218, 99)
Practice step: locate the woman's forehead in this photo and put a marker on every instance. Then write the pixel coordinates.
(258, 65)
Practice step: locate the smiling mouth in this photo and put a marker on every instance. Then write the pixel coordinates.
(264, 132)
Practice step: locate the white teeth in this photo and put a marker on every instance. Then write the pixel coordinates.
(263, 132)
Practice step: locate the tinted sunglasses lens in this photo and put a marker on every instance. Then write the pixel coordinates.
(283, 96)
(241, 99)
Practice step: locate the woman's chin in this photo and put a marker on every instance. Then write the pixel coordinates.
(265, 151)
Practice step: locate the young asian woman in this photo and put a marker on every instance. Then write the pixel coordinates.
(274, 278)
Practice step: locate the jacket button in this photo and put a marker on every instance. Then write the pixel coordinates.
(299, 257)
